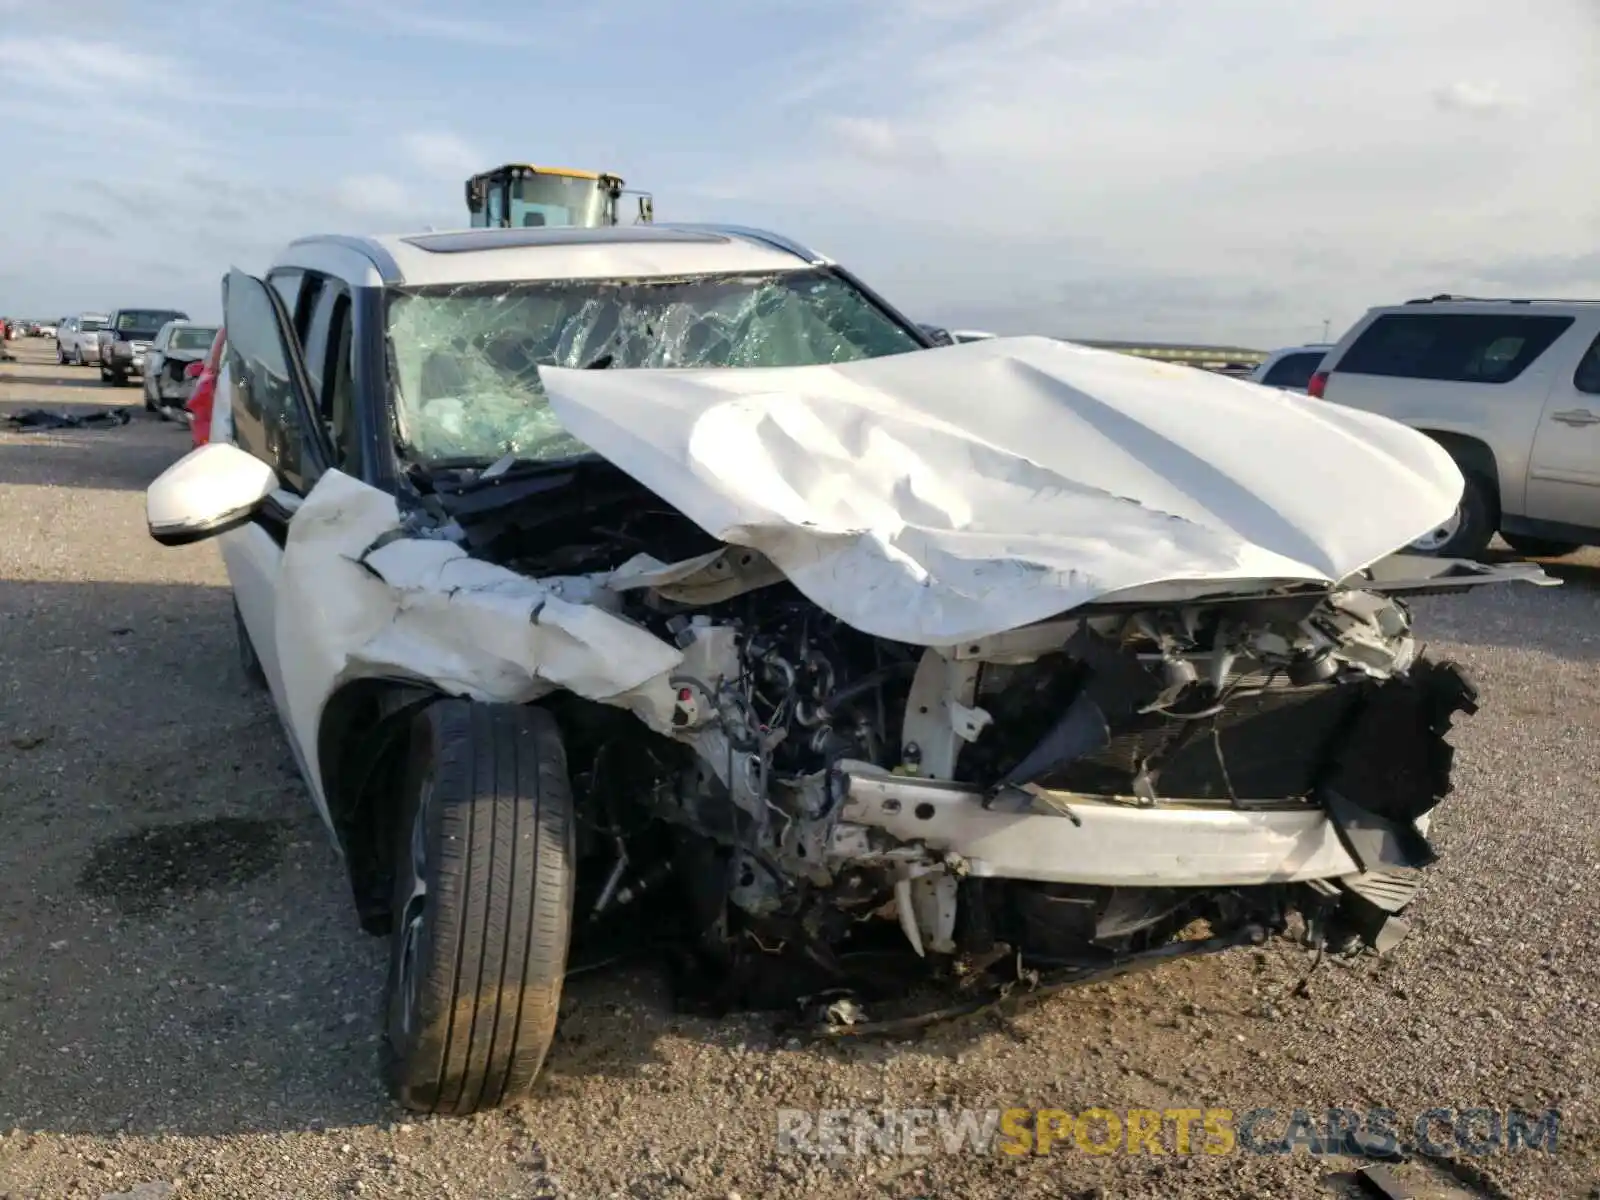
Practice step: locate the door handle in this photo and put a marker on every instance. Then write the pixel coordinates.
(1576, 416)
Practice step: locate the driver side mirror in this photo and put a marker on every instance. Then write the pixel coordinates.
(208, 491)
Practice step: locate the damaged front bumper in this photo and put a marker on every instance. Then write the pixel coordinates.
(1049, 836)
(1359, 860)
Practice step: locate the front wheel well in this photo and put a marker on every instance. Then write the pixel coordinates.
(362, 744)
(361, 750)
(1474, 457)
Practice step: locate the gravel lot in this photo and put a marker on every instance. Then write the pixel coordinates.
(185, 999)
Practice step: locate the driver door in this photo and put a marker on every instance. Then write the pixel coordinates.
(268, 397)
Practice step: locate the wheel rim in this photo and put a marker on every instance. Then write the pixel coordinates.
(1439, 537)
(414, 911)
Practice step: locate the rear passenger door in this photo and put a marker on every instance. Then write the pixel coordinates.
(1564, 469)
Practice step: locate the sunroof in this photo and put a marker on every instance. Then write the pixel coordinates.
(512, 239)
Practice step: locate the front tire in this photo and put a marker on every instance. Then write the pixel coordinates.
(150, 404)
(1468, 533)
(61, 359)
(484, 872)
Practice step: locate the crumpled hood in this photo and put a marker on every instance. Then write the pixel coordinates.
(954, 493)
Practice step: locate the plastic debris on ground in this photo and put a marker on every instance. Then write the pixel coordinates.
(38, 420)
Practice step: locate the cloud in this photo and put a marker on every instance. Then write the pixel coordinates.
(1168, 145)
(84, 222)
(77, 66)
(1478, 99)
(881, 143)
(1578, 271)
(373, 195)
(442, 154)
(423, 23)
(1234, 171)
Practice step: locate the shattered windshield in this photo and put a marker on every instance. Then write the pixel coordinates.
(465, 360)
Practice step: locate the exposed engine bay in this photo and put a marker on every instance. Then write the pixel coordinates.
(824, 804)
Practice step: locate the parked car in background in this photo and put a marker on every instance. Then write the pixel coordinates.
(126, 337)
(937, 334)
(78, 339)
(1511, 388)
(202, 399)
(178, 346)
(970, 335)
(46, 330)
(1291, 367)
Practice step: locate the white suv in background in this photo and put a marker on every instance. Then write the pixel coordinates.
(1291, 368)
(1511, 388)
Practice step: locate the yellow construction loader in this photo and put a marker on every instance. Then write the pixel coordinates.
(518, 196)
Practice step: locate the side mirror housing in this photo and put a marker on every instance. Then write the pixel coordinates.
(210, 490)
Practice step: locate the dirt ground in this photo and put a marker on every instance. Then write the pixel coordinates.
(187, 1007)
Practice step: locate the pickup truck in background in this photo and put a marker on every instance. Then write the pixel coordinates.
(126, 336)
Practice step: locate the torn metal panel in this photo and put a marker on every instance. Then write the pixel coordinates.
(705, 579)
(965, 491)
(415, 608)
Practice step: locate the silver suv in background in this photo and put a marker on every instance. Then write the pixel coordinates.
(1292, 367)
(1511, 388)
(77, 339)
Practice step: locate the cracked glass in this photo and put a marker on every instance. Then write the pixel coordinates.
(464, 361)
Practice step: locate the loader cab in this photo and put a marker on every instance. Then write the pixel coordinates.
(520, 196)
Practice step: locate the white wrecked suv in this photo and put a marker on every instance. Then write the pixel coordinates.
(664, 584)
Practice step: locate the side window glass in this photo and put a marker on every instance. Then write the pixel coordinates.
(1587, 378)
(315, 337)
(1452, 347)
(1293, 371)
(287, 283)
(310, 293)
(266, 418)
(339, 389)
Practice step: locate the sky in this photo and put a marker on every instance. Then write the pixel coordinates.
(1238, 171)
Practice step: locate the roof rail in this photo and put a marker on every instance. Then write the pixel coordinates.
(767, 238)
(1446, 296)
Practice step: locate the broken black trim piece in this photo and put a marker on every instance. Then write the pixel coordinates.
(1376, 842)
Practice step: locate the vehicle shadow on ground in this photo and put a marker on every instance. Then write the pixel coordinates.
(86, 457)
(178, 953)
(1562, 621)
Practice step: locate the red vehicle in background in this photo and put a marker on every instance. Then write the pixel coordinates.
(201, 400)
